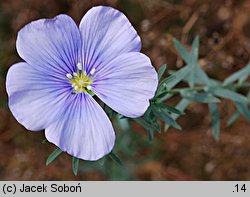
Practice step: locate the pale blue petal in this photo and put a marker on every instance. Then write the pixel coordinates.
(35, 99)
(83, 130)
(106, 33)
(126, 84)
(50, 45)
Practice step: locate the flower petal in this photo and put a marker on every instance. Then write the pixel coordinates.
(35, 99)
(126, 84)
(83, 130)
(50, 45)
(106, 33)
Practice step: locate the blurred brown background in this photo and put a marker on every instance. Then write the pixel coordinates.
(224, 30)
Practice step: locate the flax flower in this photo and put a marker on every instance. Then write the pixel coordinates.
(66, 68)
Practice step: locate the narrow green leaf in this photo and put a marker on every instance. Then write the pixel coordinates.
(215, 120)
(142, 123)
(195, 50)
(163, 85)
(244, 110)
(191, 77)
(150, 134)
(214, 82)
(148, 124)
(53, 156)
(233, 118)
(201, 77)
(199, 97)
(160, 96)
(169, 108)
(115, 158)
(244, 72)
(161, 71)
(75, 164)
(194, 62)
(178, 77)
(229, 94)
(163, 98)
(156, 126)
(181, 106)
(151, 119)
(242, 79)
(166, 118)
(182, 51)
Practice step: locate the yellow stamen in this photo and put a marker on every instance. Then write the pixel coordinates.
(80, 81)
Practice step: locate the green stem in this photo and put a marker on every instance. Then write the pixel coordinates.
(205, 88)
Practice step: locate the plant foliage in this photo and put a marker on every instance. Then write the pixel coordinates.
(197, 86)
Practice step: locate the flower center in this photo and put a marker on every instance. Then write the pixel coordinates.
(81, 81)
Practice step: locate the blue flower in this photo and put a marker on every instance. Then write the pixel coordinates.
(65, 66)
